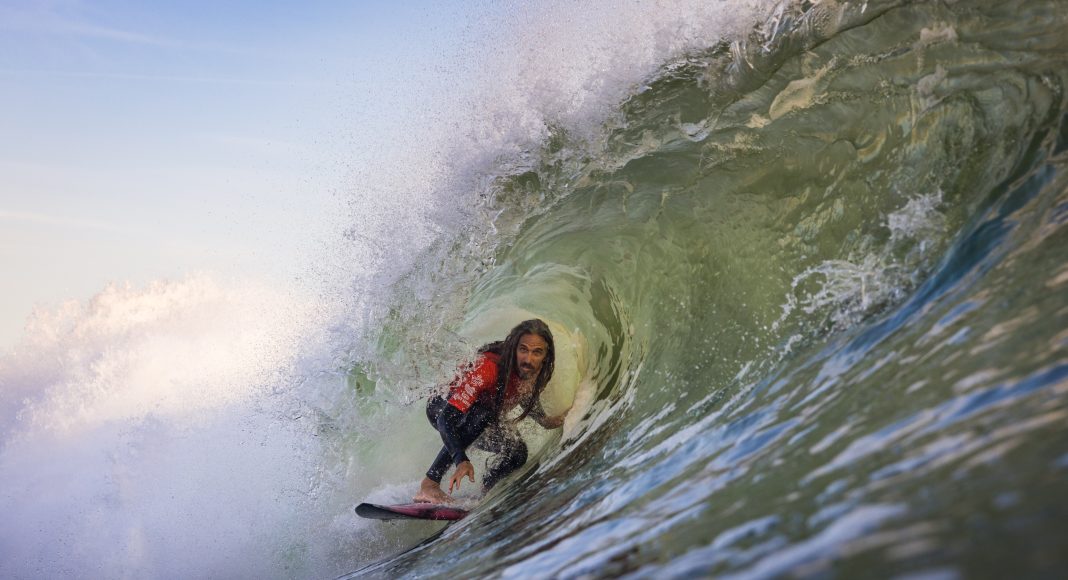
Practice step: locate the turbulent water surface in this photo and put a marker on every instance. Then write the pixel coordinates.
(820, 282)
(809, 284)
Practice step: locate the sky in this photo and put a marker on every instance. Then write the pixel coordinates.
(148, 140)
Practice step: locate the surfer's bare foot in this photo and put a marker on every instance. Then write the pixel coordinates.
(430, 492)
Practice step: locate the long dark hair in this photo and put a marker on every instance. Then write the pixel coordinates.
(506, 366)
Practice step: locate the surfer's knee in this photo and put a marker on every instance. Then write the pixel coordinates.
(434, 405)
(510, 459)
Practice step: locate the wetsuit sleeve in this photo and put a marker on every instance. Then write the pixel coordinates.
(448, 425)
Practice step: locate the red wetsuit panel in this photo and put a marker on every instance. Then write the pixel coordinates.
(478, 382)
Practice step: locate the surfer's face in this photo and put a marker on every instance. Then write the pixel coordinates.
(530, 354)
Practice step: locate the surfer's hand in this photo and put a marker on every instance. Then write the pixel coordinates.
(553, 422)
(465, 469)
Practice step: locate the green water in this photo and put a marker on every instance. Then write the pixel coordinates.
(816, 288)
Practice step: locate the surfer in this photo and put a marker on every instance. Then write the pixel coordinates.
(506, 374)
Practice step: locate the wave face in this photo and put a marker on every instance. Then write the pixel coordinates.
(805, 265)
(815, 287)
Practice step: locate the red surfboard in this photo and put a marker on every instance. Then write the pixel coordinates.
(410, 511)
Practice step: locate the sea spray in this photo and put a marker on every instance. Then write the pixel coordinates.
(816, 269)
(153, 423)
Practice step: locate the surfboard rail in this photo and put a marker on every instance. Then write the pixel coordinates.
(410, 511)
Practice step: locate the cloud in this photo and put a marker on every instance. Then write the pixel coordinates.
(49, 21)
(42, 20)
(160, 78)
(70, 33)
(101, 32)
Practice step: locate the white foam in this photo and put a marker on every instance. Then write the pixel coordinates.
(558, 65)
(144, 434)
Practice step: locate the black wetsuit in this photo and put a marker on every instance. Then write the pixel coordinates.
(480, 427)
(468, 416)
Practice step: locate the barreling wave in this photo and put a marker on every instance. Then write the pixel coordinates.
(812, 282)
(805, 267)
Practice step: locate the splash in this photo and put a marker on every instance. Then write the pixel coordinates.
(147, 424)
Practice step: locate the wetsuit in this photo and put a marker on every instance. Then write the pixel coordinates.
(468, 415)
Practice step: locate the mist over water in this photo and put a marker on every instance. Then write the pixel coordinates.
(144, 426)
(804, 264)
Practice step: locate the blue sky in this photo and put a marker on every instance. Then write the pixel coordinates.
(151, 140)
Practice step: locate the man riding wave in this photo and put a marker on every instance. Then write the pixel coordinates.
(506, 374)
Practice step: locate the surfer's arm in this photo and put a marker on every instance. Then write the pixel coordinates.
(552, 422)
(539, 416)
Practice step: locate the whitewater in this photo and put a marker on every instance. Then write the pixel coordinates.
(804, 261)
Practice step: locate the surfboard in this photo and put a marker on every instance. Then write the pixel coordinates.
(410, 511)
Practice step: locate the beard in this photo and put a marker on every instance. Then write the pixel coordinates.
(526, 372)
